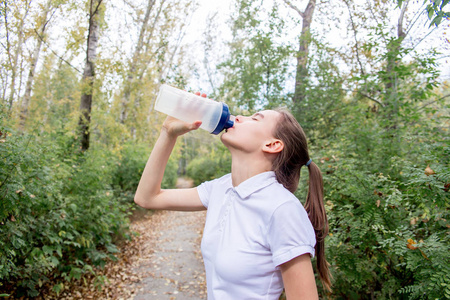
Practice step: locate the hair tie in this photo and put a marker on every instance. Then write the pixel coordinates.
(309, 162)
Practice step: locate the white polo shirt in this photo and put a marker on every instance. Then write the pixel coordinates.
(250, 230)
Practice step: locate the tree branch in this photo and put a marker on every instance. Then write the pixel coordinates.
(400, 32)
(434, 101)
(8, 44)
(356, 40)
(422, 39)
(96, 8)
(373, 99)
(56, 54)
(302, 14)
(416, 18)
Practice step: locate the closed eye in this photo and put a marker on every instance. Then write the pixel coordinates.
(255, 116)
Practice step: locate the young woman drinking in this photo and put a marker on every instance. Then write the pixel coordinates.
(258, 238)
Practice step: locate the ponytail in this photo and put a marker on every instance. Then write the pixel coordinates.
(317, 215)
(287, 166)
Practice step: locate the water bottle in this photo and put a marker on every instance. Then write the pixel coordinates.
(188, 107)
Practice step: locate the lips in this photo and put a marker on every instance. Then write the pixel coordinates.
(226, 130)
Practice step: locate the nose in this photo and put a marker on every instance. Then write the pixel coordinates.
(239, 119)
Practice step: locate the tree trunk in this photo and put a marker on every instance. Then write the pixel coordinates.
(88, 74)
(34, 61)
(391, 80)
(15, 59)
(393, 48)
(301, 76)
(129, 83)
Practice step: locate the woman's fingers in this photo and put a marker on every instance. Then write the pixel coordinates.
(200, 94)
(177, 127)
(196, 125)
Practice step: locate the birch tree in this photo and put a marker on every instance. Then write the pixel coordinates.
(131, 77)
(161, 29)
(89, 73)
(40, 31)
(301, 76)
(257, 67)
(393, 49)
(19, 11)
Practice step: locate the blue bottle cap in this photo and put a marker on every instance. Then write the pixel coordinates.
(224, 121)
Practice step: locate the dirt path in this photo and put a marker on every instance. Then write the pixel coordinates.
(173, 267)
(163, 261)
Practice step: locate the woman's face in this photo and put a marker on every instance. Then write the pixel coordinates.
(250, 134)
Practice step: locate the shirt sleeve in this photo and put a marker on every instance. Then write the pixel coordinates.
(290, 233)
(208, 188)
(204, 192)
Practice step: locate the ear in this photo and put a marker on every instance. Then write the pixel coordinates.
(273, 146)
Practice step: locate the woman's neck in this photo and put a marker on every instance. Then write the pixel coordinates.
(245, 166)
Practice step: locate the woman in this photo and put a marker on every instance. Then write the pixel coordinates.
(257, 237)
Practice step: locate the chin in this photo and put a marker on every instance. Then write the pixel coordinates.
(223, 139)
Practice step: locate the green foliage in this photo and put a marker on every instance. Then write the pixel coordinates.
(388, 232)
(388, 212)
(129, 168)
(319, 112)
(379, 133)
(55, 98)
(58, 216)
(435, 10)
(210, 164)
(376, 142)
(258, 65)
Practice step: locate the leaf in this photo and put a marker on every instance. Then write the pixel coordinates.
(429, 171)
(47, 249)
(57, 288)
(430, 11)
(411, 244)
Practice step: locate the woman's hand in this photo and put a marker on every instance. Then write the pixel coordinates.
(174, 127)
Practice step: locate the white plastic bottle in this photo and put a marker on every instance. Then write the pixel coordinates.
(188, 107)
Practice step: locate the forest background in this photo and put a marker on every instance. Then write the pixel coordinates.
(367, 80)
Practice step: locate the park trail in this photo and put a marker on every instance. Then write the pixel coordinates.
(174, 267)
(162, 261)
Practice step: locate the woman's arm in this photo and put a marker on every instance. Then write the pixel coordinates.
(298, 278)
(149, 193)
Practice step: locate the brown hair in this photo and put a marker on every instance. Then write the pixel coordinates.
(287, 166)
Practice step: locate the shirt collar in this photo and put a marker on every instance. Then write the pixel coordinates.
(255, 183)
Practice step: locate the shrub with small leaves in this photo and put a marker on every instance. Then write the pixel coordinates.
(129, 168)
(389, 215)
(58, 216)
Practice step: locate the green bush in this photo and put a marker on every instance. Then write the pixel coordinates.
(388, 214)
(58, 216)
(129, 168)
(210, 165)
